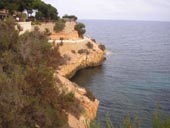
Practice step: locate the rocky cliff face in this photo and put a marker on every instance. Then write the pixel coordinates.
(89, 106)
(80, 55)
(83, 61)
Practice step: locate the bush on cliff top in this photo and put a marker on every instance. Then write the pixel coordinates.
(80, 28)
(89, 45)
(59, 26)
(102, 47)
(83, 51)
(70, 17)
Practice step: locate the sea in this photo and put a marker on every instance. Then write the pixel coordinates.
(134, 81)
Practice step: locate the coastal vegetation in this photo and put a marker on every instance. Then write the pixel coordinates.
(157, 122)
(45, 11)
(29, 92)
(83, 51)
(80, 28)
(71, 17)
(89, 45)
(102, 47)
(59, 25)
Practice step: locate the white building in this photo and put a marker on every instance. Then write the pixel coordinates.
(30, 13)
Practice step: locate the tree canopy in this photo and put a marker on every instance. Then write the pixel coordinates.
(70, 17)
(46, 11)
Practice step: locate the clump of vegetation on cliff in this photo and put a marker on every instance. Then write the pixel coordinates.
(89, 45)
(71, 17)
(83, 51)
(80, 28)
(102, 47)
(28, 93)
(128, 122)
(59, 25)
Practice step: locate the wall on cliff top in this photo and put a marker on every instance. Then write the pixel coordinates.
(67, 33)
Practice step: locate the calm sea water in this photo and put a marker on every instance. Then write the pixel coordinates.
(136, 75)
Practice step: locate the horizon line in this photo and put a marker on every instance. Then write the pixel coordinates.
(125, 20)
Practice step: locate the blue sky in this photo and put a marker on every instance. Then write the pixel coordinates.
(115, 9)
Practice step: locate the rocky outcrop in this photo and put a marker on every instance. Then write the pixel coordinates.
(84, 61)
(90, 57)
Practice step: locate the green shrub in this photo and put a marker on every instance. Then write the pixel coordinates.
(94, 124)
(47, 32)
(93, 40)
(129, 123)
(59, 26)
(39, 15)
(83, 51)
(73, 51)
(108, 121)
(70, 17)
(23, 17)
(71, 104)
(69, 97)
(80, 28)
(54, 57)
(158, 122)
(8, 36)
(102, 47)
(89, 45)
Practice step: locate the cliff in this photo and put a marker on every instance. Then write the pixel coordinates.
(82, 58)
(78, 56)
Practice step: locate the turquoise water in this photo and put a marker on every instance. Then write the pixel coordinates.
(136, 75)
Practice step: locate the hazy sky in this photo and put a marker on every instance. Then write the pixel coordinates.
(114, 9)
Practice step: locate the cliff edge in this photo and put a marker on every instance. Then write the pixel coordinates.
(77, 56)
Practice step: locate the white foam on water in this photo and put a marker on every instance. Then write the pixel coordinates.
(108, 52)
